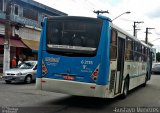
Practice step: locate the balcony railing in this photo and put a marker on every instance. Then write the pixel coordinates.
(21, 20)
(25, 21)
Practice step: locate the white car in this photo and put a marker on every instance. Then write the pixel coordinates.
(26, 72)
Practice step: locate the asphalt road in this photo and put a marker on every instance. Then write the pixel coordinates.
(23, 98)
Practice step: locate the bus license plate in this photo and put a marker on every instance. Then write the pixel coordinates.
(68, 77)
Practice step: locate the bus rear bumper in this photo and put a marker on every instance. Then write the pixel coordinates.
(72, 87)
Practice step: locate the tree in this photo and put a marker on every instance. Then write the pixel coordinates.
(158, 56)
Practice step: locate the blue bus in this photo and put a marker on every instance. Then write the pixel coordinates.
(86, 56)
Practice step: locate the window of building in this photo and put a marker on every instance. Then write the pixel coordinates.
(113, 47)
(16, 7)
(1, 5)
(30, 14)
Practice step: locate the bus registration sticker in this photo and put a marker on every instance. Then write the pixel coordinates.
(68, 77)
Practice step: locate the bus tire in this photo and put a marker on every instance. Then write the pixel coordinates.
(125, 88)
(145, 82)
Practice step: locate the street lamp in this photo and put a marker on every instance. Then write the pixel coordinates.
(128, 12)
(155, 39)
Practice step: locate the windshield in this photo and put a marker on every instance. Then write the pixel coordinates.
(26, 65)
(73, 35)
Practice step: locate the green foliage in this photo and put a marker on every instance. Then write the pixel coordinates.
(158, 56)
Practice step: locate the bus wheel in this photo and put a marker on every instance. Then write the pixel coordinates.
(125, 88)
(145, 82)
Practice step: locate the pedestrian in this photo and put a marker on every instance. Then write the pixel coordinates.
(14, 62)
(20, 61)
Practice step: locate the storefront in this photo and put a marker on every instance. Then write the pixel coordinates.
(24, 49)
(30, 37)
(32, 51)
(24, 43)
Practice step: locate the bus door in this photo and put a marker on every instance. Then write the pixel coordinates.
(120, 63)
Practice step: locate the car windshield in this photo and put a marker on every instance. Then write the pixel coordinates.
(26, 65)
(156, 65)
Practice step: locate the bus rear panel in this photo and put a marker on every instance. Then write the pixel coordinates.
(70, 59)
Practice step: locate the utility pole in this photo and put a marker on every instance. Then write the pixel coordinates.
(146, 39)
(134, 27)
(8, 33)
(98, 12)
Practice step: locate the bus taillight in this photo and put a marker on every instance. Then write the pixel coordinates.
(44, 69)
(95, 73)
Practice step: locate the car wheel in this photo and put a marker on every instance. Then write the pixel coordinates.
(7, 81)
(125, 88)
(28, 79)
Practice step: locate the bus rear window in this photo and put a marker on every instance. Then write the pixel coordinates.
(74, 36)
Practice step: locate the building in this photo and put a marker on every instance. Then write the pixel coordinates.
(25, 21)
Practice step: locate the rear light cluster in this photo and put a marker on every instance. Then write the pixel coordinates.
(44, 69)
(95, 74)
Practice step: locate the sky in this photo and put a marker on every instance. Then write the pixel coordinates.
(147, 11)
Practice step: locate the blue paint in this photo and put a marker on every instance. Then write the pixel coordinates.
(81, 68)
(104, 18)
(41, 44)
(105, 53)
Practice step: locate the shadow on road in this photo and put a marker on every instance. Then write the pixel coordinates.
(89, 102)
(16, 83)
(82, 102)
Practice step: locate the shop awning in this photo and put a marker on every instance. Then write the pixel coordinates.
(14, 43)
(17, 43)
(31, 44)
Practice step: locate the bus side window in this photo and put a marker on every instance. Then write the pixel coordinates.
(129, 49)
(113, 46)
(136, 54)
(140, 52)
